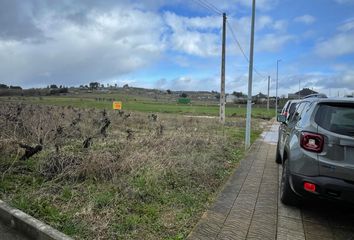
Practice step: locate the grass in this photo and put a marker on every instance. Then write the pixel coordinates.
(140, 105)
(151, 183)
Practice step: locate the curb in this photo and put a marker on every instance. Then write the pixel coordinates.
(27, 225)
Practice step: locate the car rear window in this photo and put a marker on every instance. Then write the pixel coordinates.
(336, 117)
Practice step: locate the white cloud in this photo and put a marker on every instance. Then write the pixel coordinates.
(347, 26)
(232, 6)
(264, 5)
(266, 22)
(271, 35)
(189, 83)
(194, 36)
(305, 19)
(323, 82)
(273, 42)
(111, 43)
(340, 44)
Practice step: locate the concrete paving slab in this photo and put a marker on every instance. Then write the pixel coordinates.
(249, 206)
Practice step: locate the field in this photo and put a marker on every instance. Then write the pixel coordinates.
(101, 174)
(146, 105)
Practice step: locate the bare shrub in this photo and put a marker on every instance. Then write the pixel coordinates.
(101, 165)
(137, 169)
(62, 165)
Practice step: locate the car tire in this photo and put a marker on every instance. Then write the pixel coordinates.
(277, 155)
(287, 195)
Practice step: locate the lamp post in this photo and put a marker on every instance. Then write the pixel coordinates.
(268, 93)
(276, 89)
(250, 78)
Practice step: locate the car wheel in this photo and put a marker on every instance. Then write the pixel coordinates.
(287, 196)
(277, 155)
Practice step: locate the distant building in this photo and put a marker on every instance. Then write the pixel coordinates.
(230, 98)
(300, 94)
(260, 97)
(236, 97)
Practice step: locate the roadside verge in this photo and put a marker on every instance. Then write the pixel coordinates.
(27, 225)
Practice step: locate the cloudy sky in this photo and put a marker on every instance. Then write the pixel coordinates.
(176, 44)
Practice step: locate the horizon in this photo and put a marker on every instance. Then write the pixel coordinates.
(112, 87)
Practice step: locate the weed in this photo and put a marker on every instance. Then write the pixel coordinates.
(152, 182)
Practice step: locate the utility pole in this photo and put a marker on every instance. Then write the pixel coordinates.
(276, 90)
(250, 75)
(222, 92)
(268, 93)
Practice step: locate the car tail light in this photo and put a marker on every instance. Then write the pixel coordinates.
(310, 187)
(286, 114)
(311, 142)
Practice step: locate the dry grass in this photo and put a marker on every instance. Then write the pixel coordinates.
(145, 177)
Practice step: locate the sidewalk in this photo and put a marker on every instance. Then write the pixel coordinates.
(249, 207)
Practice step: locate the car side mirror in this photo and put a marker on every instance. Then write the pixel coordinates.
(281, 118)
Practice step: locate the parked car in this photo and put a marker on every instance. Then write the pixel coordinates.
(317, 152)
(289, 107)
(287, 111)
(318, 95)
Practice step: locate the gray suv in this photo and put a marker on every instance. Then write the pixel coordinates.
(317, 151)
(287, 111)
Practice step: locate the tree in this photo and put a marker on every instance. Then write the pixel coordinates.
(3, 85)
(15, 87)
(94, 85)
(53, 86)
(169, 91)
(238, 94)
(183, 95)
(125, 86)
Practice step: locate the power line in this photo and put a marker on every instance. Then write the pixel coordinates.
(205, 5)
(213, 6)
(209, 6)
(237, 42)
(241, 49)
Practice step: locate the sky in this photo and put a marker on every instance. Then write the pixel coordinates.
(176, 44)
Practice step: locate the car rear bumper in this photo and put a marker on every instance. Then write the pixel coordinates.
(326, 188)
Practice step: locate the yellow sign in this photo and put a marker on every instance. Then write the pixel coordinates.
(117, 105)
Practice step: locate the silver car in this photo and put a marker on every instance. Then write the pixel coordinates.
(287, 111)
(317, 151)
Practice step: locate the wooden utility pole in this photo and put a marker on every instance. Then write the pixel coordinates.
(250, 78)
(268, 93)
(222, 92)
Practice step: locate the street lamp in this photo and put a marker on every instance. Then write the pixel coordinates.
(276, 89)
